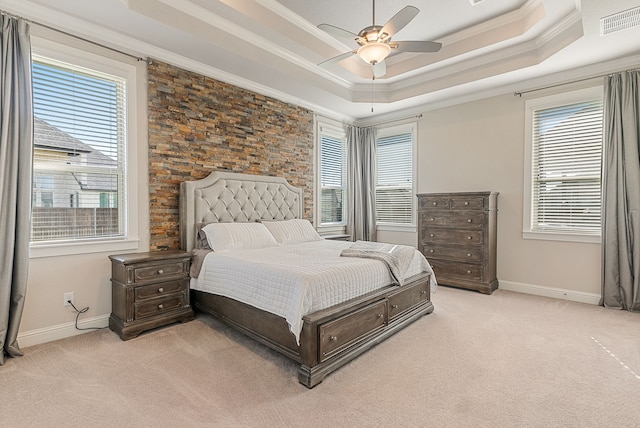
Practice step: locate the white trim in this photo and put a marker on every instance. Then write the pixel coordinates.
(556, 293)
(335, 129)
(61, 331)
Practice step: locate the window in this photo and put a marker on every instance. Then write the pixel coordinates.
(79, 152)
(564, 148)
(394, 176)
(333, 176)
(85, 170)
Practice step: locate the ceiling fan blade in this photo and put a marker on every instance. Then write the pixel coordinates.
(379, 69)
(338, 32)
(336, 58)
(399, 20)
(415, 46)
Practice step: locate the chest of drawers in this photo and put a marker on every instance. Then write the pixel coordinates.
(149, 290)
(457, 233)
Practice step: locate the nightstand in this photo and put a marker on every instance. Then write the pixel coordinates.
(149, 290)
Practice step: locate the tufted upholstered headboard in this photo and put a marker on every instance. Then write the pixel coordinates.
(228, 197)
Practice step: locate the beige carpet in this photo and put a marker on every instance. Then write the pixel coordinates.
(505, 360)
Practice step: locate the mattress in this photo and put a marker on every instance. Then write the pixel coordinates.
(296, 279)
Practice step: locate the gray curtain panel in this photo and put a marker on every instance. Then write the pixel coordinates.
(16, 147)
(361, 222)
(621, 193)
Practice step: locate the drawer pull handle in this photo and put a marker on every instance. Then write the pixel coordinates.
(469, 272)
(160, 306)
(431, 251)
(423, 291)
(394, 306)
(466, 203)
(333, 338)
(431, 219)
(435, 203)
(469, 221)
(160, 290)
(380, 315)
(431, 235)
(468, 254)
(160, 272)
(469, 238)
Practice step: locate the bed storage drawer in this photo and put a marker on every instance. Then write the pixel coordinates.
(407, 297)
(351, 328)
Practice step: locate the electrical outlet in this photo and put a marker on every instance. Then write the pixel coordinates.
(68, 296)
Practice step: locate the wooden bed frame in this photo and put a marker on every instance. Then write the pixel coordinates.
(330, 337)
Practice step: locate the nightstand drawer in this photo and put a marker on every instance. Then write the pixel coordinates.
(160, 289)
(158, 306)
(158, 272)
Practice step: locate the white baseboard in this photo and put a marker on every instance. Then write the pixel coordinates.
(557, 293)
(60, 331)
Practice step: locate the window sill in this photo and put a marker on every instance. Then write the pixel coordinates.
(74, 248)
(408, 228)
(566, 237)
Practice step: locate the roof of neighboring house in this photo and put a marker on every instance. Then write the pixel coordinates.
(47, 136)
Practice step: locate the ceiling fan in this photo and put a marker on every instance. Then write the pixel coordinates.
(375, 41)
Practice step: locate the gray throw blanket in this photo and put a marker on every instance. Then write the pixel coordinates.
(396, 257)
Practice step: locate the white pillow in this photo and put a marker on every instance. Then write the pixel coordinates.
(292, 231)
(238, 236)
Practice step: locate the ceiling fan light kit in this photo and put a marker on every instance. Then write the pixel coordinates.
(375, 40)
(374, 52)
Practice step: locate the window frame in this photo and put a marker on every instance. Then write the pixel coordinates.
(338, 132)
(130, 72)
(551, 101)
(387, 131)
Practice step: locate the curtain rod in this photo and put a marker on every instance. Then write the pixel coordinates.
(519, 93)
(2, 12)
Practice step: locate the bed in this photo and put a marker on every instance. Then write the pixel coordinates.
(321, 337)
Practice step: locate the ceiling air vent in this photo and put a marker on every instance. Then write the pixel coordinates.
(475, 2)
(620, 21)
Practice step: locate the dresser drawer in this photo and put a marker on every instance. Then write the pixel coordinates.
(467, 203)
(467, 254)
(450, 236)
(434, 203)
(158, 306)
(160, 289)
(159, 271)
(467, 271)
(345, 331)
(407, 298)
(469, 220)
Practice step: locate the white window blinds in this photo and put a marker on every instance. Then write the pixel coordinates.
(79, 147)
(394, 179)
(333, 178)
(566, 168)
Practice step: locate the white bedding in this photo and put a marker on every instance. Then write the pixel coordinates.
(296, 279)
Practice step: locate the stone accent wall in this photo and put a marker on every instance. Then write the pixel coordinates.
(198, 124)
